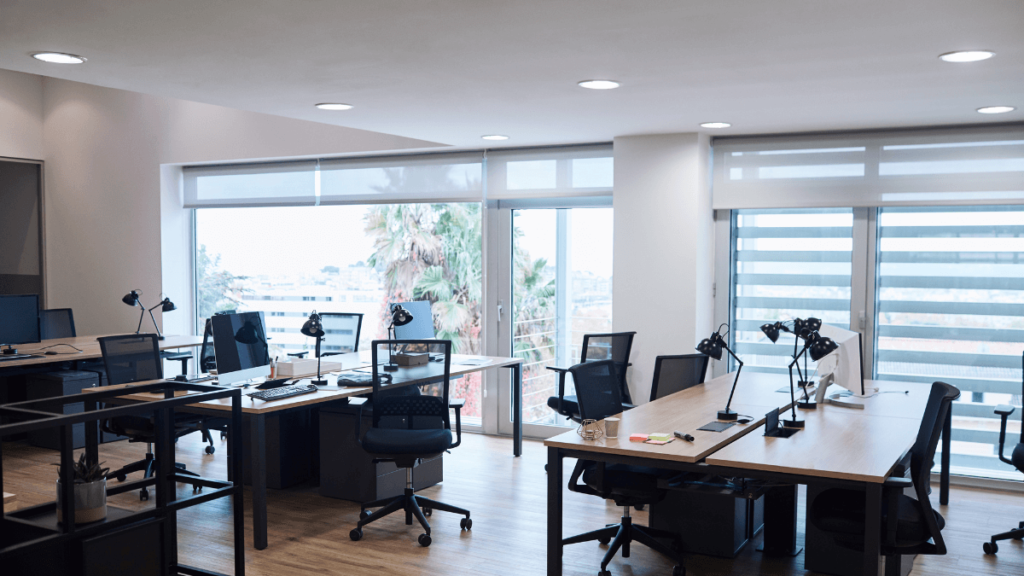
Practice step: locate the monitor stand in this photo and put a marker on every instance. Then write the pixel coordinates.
(10, 349)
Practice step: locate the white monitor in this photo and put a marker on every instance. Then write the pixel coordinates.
(844, 364)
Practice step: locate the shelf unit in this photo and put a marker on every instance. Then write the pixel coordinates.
(31, 536)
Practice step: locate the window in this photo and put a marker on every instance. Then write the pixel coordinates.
(787, 264)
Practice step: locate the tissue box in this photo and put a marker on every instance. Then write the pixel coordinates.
(297, 367)
(414, 359)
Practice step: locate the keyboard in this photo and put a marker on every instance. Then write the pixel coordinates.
(283, 392)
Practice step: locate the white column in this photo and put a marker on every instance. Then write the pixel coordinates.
(664, 248)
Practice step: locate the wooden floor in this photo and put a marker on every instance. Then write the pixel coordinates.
(309, 533)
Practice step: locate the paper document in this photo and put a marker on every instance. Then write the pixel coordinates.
(472, 361)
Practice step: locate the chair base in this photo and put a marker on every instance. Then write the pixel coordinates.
(991, 547)
(148, 468)
(625, 533)
(413, 506)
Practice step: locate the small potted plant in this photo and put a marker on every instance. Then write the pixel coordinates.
(90, 492)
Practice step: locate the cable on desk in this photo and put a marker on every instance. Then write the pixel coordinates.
(78, 350)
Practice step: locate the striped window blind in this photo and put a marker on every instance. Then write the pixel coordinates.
(950, 307)
(787, 264)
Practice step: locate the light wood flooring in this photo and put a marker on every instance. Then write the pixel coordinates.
(507, 497)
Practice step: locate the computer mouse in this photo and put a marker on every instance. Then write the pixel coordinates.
(50, 353)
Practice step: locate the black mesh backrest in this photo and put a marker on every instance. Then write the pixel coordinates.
(675, 373)
(402, 404)
(597, 389)
(922, 454)
(131, 358)
(56, 323)
(613, 346)
(207, 357)
(341, 332)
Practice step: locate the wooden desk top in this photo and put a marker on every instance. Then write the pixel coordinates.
(685, 411)
(351, 361)
(89, 346)
(10, 502)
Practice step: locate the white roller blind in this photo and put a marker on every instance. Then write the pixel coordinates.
(422, 177)
(550, 172)
(927, 167)
(267, 184)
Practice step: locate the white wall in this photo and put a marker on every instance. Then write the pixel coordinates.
(664, 248)
(110, 205)
(21, 115)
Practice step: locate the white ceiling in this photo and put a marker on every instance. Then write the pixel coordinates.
(450, 71)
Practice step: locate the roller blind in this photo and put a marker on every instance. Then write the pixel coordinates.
(927, 167)
(413, 178)
(266, 184)
(584, 171)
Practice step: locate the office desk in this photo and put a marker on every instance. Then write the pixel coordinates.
(256, 411)
(89, 346)
(839, 446)
(10, 502)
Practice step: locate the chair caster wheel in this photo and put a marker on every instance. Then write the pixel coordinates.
(121, 477)
(356, 535)
(363, 514)
(639, 507)
(424, 540)
(545, 467)
(196, 489)
(210, 449)
(604, 573)
(466, 524)
(990, 547)
(428, 511)
(679, 571)
(604, 541)
(144, 495)
(223, 436)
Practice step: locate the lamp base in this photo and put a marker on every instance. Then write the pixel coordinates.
(391, 367)
(161, 337)
(11, 350)
(320, 382)
(793, 423)
(727, 414)
(808, 405)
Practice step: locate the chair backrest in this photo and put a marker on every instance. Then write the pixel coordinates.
(597, 389)
(613, 346)
(56, 323)
(131, 358)
(922, 454)
(675, 373)
(341, 332)
(421, 406)
(207, 357)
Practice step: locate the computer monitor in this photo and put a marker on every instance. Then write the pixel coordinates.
(422, 325)
(845, 363)
(19, 320)
(240, 344)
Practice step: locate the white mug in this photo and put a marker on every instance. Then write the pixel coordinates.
(611, 427)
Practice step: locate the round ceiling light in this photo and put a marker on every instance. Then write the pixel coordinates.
(996, 109)
(715, 125)
(966, 56)
(599, 84)
(334, 106)
(58, 58)
(495, 137)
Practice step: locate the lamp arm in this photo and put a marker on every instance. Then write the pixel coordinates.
(142, 314)
(153, 318)
(792, 393)
(318, 338)
(796, 343)
(735, 380)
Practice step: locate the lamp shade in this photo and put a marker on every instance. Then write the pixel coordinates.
(772, 331)
(712, 346)
(821, 346)
(167, 305)
(313, 327)
(803, 327)
(400, 316)
(131, 298)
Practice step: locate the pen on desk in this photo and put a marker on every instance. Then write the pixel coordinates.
(682, 436)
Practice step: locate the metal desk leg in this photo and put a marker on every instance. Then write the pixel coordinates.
(554, 512)
(780, 521)
(872, 528)
(258, 471)
(947, 439)
(517, 410)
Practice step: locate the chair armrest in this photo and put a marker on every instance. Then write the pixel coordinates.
(457, 405)
(557, 369)
(456, 402)
(626, 406)
(561, 385)
(898, 482)
(298, 354)
(1004, 410)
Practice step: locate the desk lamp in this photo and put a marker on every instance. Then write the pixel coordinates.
(817, 347)
(165, 305)
(314, 328)
(800, 329)
(803, 328)
(712, 348)
(399, 317)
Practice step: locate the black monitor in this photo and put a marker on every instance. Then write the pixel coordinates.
(240, 345)
(19, 320)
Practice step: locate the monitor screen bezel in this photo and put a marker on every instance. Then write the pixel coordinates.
(32, 339)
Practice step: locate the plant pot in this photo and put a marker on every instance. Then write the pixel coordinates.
(90, 502)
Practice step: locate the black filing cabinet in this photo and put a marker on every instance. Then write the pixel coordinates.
(62, 383)
(348, 472)
(710, 519)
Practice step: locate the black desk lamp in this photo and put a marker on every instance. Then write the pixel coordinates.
(712, 348)
(399, 317)
(132, 299)
(801, 328)
(817, 347)
(314, 328)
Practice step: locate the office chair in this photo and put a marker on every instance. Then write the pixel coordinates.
(136, 358)
(56, 323)
(676, 373)
(598, 390)
(409, 426)
(614, 347)
(1017, 461)
(918, 527)
(341, 332)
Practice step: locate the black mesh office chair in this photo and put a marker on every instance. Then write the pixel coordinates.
(409, 426)
(596, 347)
(597, 387)
(136, 358)
(1016, 460)
(341, 332)
(840, 511)
(677, 373)
(56, 323)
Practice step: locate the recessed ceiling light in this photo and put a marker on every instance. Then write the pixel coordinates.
(58, 58)
(495, 137)
(996, 109)
(715, 125)
(967, 56)
(334, 106)
(599, 84)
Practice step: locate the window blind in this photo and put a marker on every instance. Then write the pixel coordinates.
(265, 184)
(412, 178)
(583, 171)
(967, 166)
